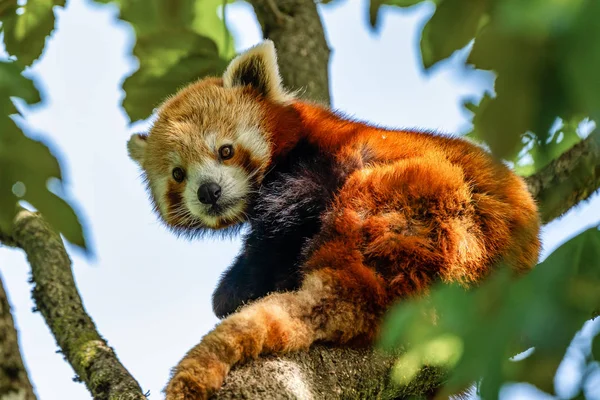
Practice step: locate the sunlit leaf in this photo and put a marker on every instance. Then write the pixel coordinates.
(208, 23)
(177, 43)
(444, 351)
(167, 64)
(26, 27)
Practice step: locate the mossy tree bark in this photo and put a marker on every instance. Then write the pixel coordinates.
(14, 382)
(321, 373)
(57, 299)
(303, 55)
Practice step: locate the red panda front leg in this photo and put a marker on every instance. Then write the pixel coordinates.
(330, 306)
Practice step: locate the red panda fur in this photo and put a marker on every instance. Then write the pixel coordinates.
(411, 208)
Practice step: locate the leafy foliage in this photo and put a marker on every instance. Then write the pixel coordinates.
(177, 43)
(546, 55)
(474, 333)
(26, 27)
(27, 165)
(375, 6)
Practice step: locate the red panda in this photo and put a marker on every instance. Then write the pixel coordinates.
(344, 218)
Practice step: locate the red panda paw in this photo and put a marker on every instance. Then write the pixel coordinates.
(196, 379)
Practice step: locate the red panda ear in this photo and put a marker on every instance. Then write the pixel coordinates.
(136, 146)
(257, 67)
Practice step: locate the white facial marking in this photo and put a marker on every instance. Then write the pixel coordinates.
(159, 187)
(254, 141)
(234, 187)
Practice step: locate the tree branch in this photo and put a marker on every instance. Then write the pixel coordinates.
(303, 55)
(571, 178)
(57, 298)
(325, 373)
(14, 382)
(322, 372)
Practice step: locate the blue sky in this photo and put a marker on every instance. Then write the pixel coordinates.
(147, 291)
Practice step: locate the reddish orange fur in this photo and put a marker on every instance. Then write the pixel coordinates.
(415, 208)
(434, 206)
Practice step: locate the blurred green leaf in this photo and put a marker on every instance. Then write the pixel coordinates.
(13, 84)
(167, 64)
(375, 5)
(178, 42)
(546, 55)
(27, 165)
(528, 90)
(26, 27)
(208, 23)
(502, 317)
(580, 61)
(537, 18)
(536, 154)
(442, 351)
(453, 25)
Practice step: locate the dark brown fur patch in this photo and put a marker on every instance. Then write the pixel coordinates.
(244, 159)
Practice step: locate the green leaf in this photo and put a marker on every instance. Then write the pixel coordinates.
(537, 154)
(13, 84)
(546, 56)
(207, 23)
(26, 27)
(167, 64)
(375, 5)
(178, 42)
(453, 25)
(581, 61)
(483, 327)
(27, 165)
(537, 18)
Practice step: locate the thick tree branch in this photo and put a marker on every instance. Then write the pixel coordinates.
(57, 298)
(325, 373)
(302, 51)
(569, 179)
(14, 382)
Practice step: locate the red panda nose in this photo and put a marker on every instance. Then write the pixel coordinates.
(209, 193)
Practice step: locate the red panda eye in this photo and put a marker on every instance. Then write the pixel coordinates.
(226, 152)
(178, 174)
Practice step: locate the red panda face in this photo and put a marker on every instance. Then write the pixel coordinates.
(209, 148)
